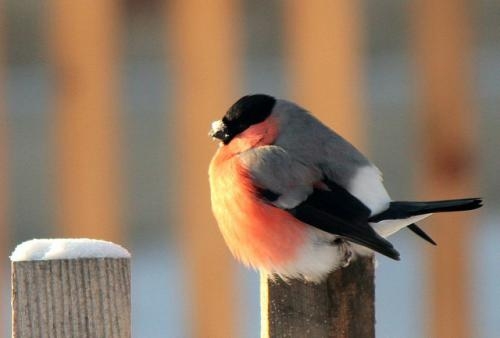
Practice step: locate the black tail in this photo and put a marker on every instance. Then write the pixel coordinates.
(401, 210)
(421, 233)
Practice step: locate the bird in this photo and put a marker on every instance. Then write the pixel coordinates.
(294, 199)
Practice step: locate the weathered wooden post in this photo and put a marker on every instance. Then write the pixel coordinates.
(70, 288)
(342, 306)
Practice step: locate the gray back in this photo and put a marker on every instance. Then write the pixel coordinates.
(312, 143)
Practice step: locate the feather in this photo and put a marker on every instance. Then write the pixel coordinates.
(421, 233)
(360, 233)
(400, 210)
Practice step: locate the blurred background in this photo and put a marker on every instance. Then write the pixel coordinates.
(105, 108)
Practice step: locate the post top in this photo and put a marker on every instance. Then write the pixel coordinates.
(67, 248)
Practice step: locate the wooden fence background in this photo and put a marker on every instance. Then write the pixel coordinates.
(324, 45)
(443, 53)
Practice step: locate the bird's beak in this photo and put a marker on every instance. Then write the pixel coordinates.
(219, 131)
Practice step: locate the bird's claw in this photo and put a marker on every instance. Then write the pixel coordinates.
(345, 252)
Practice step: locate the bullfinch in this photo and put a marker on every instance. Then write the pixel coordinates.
(293, 198)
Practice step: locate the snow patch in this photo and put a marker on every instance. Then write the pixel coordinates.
(67, 248)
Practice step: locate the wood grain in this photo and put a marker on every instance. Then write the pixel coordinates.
(343, 306)
(87, 297)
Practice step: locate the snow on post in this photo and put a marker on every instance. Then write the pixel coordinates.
(70, 288)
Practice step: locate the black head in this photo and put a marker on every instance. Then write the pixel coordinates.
(247, 111)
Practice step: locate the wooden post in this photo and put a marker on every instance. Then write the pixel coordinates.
(448, 128)
(84, 43)
(324, 52)
(341, 307)
(80, 297)
(203, 43)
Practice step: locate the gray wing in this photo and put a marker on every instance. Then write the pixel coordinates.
(287, 183)
(314, 144)
(277, 173)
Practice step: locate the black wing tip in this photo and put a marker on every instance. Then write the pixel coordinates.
(385, 248)
(378, 244)
(386, 251)
(394, 254)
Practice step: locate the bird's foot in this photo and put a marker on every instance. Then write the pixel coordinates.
(345, 252)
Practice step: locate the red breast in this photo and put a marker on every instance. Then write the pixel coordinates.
(257, 233)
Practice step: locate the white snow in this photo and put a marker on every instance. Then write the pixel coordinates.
(67, 248)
